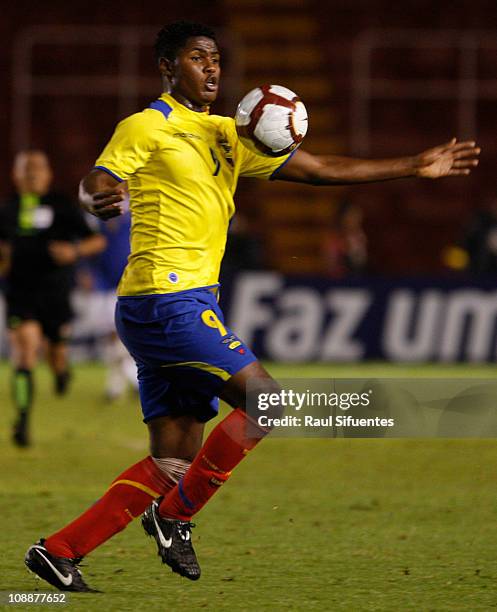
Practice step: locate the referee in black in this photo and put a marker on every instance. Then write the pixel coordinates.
(42, 235)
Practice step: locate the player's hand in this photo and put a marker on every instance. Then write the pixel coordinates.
(62, 252)
(450, 159)
(106, 204)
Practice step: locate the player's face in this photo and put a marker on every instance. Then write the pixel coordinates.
(195, 72)
(32, 172)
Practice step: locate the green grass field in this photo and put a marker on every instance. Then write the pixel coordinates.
(304, 524)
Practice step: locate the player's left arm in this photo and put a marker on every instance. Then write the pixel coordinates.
(450, 159)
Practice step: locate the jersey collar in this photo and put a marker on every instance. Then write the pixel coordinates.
(177, 106)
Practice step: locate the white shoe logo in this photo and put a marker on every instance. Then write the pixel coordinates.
(166, 543)
(66, 580)
(185, 536)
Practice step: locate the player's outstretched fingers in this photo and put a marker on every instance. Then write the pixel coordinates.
(465, 163)
(470, 152)
(459, 172)
(469, 145)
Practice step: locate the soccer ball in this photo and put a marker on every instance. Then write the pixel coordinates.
(271, 120)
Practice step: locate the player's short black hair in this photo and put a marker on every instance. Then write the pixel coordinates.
(173, 37)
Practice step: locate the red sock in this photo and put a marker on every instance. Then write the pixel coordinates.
(127, 497)
(223, 450)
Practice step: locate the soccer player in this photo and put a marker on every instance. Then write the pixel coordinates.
(181, 165)
(42, 234)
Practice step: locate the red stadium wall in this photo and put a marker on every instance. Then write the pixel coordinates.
(408, 222)
(73, 127)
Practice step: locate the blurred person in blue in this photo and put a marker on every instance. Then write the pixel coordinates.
(106, 270)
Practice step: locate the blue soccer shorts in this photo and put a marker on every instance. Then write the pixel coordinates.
(183, 351)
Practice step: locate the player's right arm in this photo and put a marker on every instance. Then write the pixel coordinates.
(102, 191)
(101, 194)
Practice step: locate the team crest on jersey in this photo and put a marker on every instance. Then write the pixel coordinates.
(227, 150)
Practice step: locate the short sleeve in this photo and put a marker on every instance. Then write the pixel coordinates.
(131, 145)
(259, 166)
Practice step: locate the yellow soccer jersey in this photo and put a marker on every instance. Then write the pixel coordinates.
(182, 169)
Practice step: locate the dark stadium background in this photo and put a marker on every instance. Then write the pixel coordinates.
(308, 45)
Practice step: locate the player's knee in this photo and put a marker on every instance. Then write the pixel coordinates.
(173, 469)
(241, 385)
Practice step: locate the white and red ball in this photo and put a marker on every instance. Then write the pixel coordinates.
(271, 120)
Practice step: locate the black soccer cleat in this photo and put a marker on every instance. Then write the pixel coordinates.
(60, 572)
(174, 541)
(20, 435)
